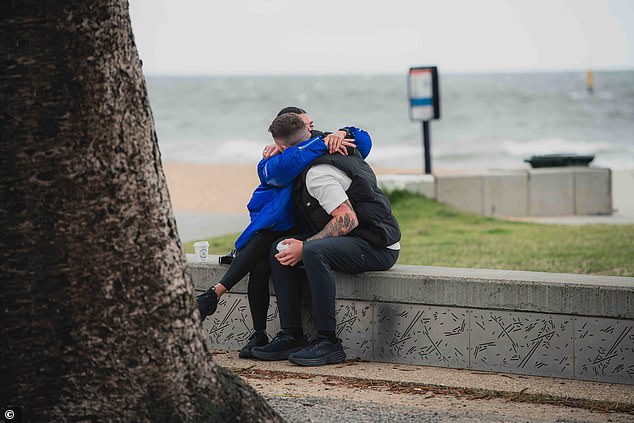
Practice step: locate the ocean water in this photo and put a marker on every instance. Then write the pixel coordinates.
(487, 120)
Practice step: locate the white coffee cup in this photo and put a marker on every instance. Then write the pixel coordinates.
(201, 249)
(282, 247)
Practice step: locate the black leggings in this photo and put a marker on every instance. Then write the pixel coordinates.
(254, 259)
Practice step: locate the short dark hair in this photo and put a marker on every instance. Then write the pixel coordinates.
(286, 126)
(291, 109)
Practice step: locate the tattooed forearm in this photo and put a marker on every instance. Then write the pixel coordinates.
(343, 221)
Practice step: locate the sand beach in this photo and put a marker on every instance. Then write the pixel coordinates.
(205, 188)
(220, 188)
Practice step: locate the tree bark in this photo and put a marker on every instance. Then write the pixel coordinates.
(98, 315)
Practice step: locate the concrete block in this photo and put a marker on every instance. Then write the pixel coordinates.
(551, 192)
(562, 191)
(623, 191)
(604, 350)
(424, 188)
(355, 321)
(419, 184)
(523, 343)
(463, 192)
(413, 334)
(593, 193)
(505, 194)
(230, 326)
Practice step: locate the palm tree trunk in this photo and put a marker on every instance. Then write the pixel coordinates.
(98, 316)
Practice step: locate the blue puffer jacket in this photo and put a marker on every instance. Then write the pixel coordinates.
(271, 205)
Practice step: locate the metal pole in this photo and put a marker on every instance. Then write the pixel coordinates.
(426, 147)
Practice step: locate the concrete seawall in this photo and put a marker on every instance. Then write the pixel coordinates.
(561, 325)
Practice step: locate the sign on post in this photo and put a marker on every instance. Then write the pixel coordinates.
(423, 93)
(424, 102)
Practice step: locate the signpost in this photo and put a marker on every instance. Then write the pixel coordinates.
(424, 102)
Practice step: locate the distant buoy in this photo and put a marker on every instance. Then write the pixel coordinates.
(589, 82)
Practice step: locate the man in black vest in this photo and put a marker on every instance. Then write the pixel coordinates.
(351, 230)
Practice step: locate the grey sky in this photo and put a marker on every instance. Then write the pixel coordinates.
(354, 36)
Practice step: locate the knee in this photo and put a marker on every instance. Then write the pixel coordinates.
(312, 252)
(273, 250)
(275, 265)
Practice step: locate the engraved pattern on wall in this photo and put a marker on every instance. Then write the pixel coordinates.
(526, 343)
(604, 349)
(230, 326)
(422, 335)
(354, 327)
(499, 341)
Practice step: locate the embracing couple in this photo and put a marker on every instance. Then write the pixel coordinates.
(319, 200)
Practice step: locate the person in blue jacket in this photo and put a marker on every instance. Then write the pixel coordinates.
(273, 215)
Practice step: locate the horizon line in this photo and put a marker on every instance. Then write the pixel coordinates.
(389, 73)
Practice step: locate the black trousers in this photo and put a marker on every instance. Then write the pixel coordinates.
(254, 260)
(347, 254)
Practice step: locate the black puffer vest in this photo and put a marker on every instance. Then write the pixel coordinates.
(377, 225)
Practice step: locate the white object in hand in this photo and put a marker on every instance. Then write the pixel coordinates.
(281, 247)
(202, 249)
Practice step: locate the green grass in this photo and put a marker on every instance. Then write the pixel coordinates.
(434, 234)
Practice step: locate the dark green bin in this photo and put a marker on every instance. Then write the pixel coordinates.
(559, 160)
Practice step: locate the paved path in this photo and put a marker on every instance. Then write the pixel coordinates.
(358, 391)
(615, 219)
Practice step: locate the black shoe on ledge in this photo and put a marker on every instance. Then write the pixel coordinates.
(228, 258)
(207, 303)
(257, 339)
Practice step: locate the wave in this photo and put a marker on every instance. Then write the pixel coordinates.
(461, 154)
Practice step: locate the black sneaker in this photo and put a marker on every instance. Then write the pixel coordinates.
(257, 339)
(228, 258)
(207, 303)
(320, 351)
(280, 347)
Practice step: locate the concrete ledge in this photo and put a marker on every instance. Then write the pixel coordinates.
(561, 191)
(593, 191)
(561, 325)
(559, 293)
(419, 184)
(551, 192)
(505, 194)
(461, 191)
